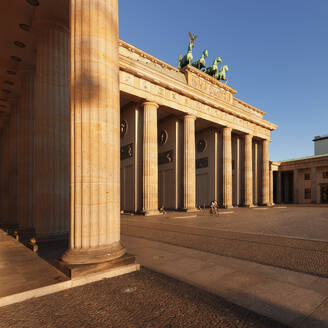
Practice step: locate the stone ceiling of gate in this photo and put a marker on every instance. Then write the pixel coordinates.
(189, 90)
(17, 39)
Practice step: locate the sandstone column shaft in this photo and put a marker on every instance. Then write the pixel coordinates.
(279, 182)
(26, 151)
(13, 161)
(95, 136)
(256, 175)
(227, 168)
(150, 159)
(5, 166)
(248, 170)
(265, 172)
(189, 163)
(51, 130)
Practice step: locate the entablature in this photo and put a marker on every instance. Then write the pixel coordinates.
(139, 77)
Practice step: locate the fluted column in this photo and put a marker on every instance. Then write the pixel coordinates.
(5, 166)
(150, 159)
(95, 135)
(189, 163)
(265, 172)
(13, 162)
(248, 170)
(51, 130)
(26, 151)
(227, 168)
(279, 182)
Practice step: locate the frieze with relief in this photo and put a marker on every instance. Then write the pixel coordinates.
(162, 137)
(126, 151)
(165, 157)
(202, 163)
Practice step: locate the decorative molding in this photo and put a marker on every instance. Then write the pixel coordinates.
(156, 84)
(165, 157)
(126, 151)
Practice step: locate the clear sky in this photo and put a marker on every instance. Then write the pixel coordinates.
(277, 52)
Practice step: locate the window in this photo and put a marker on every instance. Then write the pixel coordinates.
(306, 176)
(307, 193)
(325, 175)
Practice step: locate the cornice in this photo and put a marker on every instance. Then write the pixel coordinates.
(190, 68)
(146, 55)
(208, 78)
(305, 163)
(145, 72)
(249, 106)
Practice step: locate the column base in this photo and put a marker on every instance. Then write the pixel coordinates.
(248, 205)
(78, 270)
(150, 213)
(93, 255)
(227, 206)
(190, 210)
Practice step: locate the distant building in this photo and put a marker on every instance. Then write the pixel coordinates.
(321, 145)
(303, 180)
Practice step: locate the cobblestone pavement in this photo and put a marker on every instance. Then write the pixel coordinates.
(140, 299)
(294, 254)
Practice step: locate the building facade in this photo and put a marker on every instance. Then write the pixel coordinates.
(91, 125)
(204, 143)
(303, 180)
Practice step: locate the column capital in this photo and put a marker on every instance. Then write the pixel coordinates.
(265, 141)
(226, 130)
(40, 26)
(248, 136)
(26, 69)
(190, 116)
(150, 103)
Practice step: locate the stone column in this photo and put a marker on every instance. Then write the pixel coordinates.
(265, 172)
(227, 168)
(189, 168)
(295, 186)
(237, 168)
(248, 170)
(256, 175)
(13, 141)
(51, 130)
(150, 159)
(4, 181)
(271, 187)
(95, 133)
(26, 151)
(278, 187)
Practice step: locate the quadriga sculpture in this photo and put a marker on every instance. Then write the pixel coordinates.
(212, 70)
(200, 63)
(187, 59)
(222, 73)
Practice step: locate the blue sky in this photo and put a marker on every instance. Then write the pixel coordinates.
(277, 52)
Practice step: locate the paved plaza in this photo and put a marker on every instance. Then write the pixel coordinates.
(299, 221)
(241, 267)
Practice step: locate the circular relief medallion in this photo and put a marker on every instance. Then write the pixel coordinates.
(162, 137)
(201, 145)
(124, 128)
